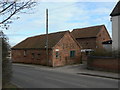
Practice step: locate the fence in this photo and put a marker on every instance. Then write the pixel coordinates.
(104, 63)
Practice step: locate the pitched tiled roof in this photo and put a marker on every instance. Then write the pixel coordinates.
(86, 32)
(116, 10)
(40, 41)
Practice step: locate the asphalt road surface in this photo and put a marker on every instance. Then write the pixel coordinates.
(30, 77)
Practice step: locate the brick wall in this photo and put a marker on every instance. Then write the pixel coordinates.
(87, 43)
(107, 64)
(66, 45)
(95, 42)
(102, 36)
(38, 58)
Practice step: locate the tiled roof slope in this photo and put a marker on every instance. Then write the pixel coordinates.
(86, 32)
(39, 41)
(116, 10)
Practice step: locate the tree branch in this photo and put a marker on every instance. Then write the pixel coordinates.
(7, 7)
(14, 8)
(8, 17)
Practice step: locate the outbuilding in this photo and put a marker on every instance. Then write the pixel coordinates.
(63, 49)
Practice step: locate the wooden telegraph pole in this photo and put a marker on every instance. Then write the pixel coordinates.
(47, 37)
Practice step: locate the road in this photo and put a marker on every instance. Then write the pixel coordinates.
(30, 77)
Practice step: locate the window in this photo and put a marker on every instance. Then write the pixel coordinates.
(38, 56)
(25, 52)
(87, 52)
(72, 53)
(33, 55)
(57, 54)
(86, 43)
(100, 35)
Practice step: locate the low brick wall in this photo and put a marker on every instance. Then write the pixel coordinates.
(104, 63)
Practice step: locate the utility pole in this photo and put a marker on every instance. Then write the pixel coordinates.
(47, 37)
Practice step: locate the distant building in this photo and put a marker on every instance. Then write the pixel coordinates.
(115, 17)
(63, 49)
(91, 38)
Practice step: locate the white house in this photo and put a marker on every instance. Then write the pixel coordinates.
(115, 17)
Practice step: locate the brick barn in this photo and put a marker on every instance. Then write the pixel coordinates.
(91, 38)
(63, 49)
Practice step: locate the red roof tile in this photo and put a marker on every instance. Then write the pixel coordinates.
(86, 32)
(40, 41)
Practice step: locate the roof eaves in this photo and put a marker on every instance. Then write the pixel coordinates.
(101, 29)
(61, 38)
(75, 40)
(116, 10)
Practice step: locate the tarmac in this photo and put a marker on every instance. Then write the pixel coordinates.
(80, 69)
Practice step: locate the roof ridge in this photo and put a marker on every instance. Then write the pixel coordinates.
(49, 34)
(87, 32)
(89, 27)
(115, 11)
(40, 41)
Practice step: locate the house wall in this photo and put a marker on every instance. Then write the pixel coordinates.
(65, 45)
(87, 43)
(1, 63)
(119, 32)
(102, 36)
(39, 56)
(115, 32)
(93, 43)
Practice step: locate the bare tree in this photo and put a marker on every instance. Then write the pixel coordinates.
(9, 8)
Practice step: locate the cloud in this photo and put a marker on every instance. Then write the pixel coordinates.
(62, 16)
(78, 0)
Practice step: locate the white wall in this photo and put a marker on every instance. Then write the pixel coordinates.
(115, 29)
(0, 63)
(119, 32)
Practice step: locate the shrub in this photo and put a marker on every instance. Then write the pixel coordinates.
(116, 53)
(6, 63)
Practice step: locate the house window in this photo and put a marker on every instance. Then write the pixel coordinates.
(33, 55)
(100, 35)
(25, 53)
(87, 52)
(72, 53)
(38, 56)
(87, 43)
(57, 54)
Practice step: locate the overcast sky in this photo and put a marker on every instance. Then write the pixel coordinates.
(62, 16)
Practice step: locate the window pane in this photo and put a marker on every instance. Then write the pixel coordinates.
(33, 55)
(57, 54)
(72, 53)
(25, 52)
